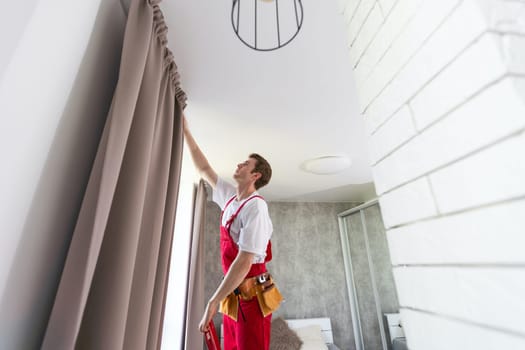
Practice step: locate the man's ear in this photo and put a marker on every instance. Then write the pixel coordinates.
(257, 175)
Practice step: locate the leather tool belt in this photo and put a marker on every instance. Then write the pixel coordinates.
(262, 287)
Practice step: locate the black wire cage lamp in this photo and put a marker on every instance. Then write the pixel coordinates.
(266, 25)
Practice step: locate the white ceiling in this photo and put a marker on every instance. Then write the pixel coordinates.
(289, 105)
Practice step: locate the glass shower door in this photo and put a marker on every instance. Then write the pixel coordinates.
(370, 328)
(369, 275)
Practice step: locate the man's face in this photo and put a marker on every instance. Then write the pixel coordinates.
(243, 173)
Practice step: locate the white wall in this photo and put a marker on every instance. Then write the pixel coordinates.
(442, 91)
(57, 79)
(13, 24)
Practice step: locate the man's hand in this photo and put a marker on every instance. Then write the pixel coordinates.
(238, 269)
(209, 312)
(200, 161)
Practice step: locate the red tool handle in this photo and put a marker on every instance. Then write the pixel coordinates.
(212, 341)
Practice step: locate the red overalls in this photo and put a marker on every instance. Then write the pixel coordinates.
(251, 331)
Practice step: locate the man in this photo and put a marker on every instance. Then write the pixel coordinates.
(246, 230)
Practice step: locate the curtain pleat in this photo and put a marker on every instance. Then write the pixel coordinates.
(195, 293)
(113, 286)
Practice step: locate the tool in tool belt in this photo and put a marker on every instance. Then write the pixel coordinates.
(253, 285)
(262, 287)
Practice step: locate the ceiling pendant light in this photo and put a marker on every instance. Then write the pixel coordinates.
(266, 25)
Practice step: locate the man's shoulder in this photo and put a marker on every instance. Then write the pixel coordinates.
(256, 203)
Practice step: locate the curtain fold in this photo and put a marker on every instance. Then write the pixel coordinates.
(195, 292)
(112, 291)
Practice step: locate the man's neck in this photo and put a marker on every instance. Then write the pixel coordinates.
(244, 192)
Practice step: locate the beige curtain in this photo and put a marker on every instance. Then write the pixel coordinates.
(112, 291)
(195, 294)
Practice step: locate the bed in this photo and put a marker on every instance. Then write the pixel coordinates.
(309, 330)
(301, 334)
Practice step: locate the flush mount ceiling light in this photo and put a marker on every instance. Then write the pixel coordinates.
(326, 165)
(266, 25)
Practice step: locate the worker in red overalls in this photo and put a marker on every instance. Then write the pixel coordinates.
(245, 232)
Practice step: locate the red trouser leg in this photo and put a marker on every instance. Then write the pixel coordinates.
(229, 333)
(249, 333)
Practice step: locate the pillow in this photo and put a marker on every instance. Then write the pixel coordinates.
(311, 337)
(282, 337)
(314, 345)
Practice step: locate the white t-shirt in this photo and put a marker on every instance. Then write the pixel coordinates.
(252, 229)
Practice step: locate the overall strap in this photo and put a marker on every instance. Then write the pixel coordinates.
(230, 220)
(227, 203)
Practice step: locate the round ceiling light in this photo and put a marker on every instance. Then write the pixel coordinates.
(326, 165)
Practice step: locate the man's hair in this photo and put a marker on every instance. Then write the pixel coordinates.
(263, 167)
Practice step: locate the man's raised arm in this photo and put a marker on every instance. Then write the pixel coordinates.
(200, 161)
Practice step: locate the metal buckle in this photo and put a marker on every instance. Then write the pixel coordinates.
(262, 278)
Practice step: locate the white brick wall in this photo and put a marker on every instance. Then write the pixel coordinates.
(489, 235)
(369, 28)
(504, 16)
(435, 332)
(480, 65)
(387, 33)
(417, 200)
(428, 17)
(394, 133)
(492, 175)
(442, 47)
(386, 5)
(446, 141)
(358, 18)
(442, 90)
(454, 292)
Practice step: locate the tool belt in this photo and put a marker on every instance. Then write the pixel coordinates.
(262, 287)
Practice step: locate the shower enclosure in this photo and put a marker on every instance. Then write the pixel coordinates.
(369, 276)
